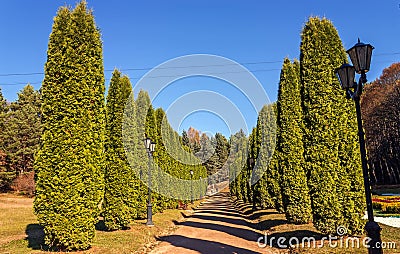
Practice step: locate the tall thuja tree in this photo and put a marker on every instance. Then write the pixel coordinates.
(295, 193)
(244, 178)
(152, 133)
(23, 130)
(237, 148)
(266, 169)
(163, 159)
(69, 164)
(118, 176)
(141, 166)
(330, 139)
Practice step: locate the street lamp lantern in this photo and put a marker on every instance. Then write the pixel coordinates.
(147, 142)
(152, 147)
(346, 75)
(360, 55)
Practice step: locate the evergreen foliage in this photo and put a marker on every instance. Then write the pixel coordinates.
(23, 130)
(238, 144)
(70, 162)
(332, 159)
(185, 139)
(206, 148)
(295, 193)
(6, 176)
(267, 188)
(118, 177)
(216, 163)
(141, 159)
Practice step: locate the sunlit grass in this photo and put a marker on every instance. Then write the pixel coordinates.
(17, 217)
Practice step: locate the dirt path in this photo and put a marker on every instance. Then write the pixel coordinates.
(215, 227)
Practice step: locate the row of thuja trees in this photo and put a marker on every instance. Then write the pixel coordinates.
(311, 161)
(92, 160)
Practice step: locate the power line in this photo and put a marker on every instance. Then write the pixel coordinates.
(150, 68)
(21, 74)
(387, 54)
(163, 76)
(176, 67)
(171, 67)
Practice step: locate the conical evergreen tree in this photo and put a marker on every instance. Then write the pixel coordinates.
(70, 162)
(185, 139)
(23, 130)
(162, 158)
(151, 132)
(6, 175)
(266, 164)
(237, 143)
(295, 193)
(118, 177)
(142, 106)
(329, 131)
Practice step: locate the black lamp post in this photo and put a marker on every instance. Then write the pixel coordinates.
(191, 186)
(150, 146)
(360, 55)
(201, 188)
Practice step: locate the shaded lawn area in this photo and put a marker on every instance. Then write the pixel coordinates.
(274, 224)
(391, 189)
(21, 233)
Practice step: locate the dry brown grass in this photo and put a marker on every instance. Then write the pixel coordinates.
(20, 232)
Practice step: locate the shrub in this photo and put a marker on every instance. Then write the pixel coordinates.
(25, 184)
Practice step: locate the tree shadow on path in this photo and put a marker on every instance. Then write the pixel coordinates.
(246, 234)
(203, 246)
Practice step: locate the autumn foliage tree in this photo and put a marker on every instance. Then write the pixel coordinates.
(380, 109)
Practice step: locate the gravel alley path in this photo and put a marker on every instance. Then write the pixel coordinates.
(214, 227)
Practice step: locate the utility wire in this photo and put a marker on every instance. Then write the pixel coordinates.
(176, 67)
(387, 54)
(171, 67)
(148, 68)
(163, 76)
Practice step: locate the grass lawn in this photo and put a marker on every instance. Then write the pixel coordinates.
(20, 233)
(274, 224)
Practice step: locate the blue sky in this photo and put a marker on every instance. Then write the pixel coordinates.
(144, 34)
